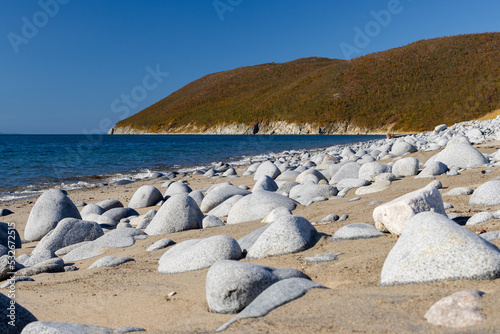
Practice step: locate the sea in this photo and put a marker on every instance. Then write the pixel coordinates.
(29, 164)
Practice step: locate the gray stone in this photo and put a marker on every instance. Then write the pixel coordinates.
(273, 215)
(461, 309)
(103, 221)
(39, 256)
(109, 204)
(91, 209)
(123, 182)
(223, 209)
(354, 199)
(21, 317)
(196, 254)
(288, 175)
(51, 327)
(395, 214)
(110, 261)
(211, 221)
(447, 206)
(69, 231)
(349, 170)
(160, 244)
(479, 218)
(440, 128)
(258, 205)
(14, 280)
(145, 220)
(311, 174)
(370, 170)
(375, 202)
(233, 285)
(286, 187)
(343, 217)
(490, 236)
(121, 238)
(265, 183)
(310, 190)
(487, 194)
(433, 248)
(461, 156)
(432, 169)
(330, 218)
(7, 266)
(118, 214)
(179, 213)
(287, 234)
(278, 294)
(230, 172)
(9, 233)
(357, 231)
(123, 225)
(5, 212)
(377, 186)
(50, 208)
(178, 188)
(220, 193)
(65, 250)
(144, 197)
(406, 167)
(267, 168)
(197, 196)
(402, 147)
(459, 191)
(352, 183)
(55, 265)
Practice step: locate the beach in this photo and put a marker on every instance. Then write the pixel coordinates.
(136, 294)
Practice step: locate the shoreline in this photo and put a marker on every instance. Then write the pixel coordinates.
(97, 181)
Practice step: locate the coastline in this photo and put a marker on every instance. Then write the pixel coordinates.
(353, 302)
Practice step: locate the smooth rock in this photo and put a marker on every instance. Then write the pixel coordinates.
(103, 221)
(352, 183)
(196, 254)
(51, 327)
(487, 194)
(357, 231)
(273, 215)
(375, 187)
(55, 265)
(459, 191)
(461, 309)
(278, 294)
(110, 261)
(433, 248)
(402, 147)
(349, 170)
(50, 208)
(432, 169)
(160, 244)
(219, 194)
(406, 167)
(233, 285)
(110, 204)
(461, 156)
(258, 205)
(91, 209)
(179, 213)
(144, 197)
(490, 236)
(211, 221)
(479, 218)
(145, 220)
(197, 196)
(287, 234)
(121, 238)
(267, 168)
(177, 188)
(118, 214)
(223, 209)
(22, 316)
(370, 170)
(325, 257)
(69, 231)
(395, 214)
(265, 183)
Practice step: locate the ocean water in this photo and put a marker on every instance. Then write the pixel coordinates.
(31, 163)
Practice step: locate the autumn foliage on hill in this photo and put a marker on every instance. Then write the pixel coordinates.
(412, 88)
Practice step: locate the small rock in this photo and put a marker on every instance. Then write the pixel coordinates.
(325, 257)
(357, 231)
(459, 191)
(461, 309)
(487, 194)
(211, 221)
(110, 261)
(160, 244)
(479, 218)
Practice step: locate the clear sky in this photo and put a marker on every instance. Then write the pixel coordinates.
(76, 66)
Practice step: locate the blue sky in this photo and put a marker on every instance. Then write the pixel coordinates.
(74, 66)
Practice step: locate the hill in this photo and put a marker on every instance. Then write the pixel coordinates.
(410, 88)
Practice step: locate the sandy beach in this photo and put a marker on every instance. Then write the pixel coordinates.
(135, 294)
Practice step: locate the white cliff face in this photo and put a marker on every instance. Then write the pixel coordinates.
(261, 128)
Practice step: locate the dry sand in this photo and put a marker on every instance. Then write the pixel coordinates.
(135, 294)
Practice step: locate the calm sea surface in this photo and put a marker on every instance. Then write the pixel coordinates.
(42, 161)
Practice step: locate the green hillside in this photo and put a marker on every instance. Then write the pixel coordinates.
(411, 88)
